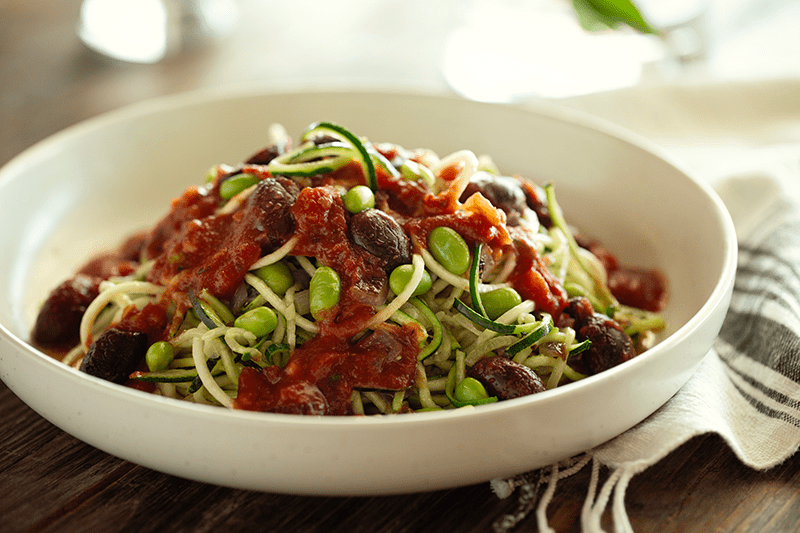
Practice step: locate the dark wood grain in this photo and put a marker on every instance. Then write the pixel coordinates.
(52, 482)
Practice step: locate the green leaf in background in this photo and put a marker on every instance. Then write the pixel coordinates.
(595, 15)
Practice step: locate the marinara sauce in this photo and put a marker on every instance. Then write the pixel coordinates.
(204, 244)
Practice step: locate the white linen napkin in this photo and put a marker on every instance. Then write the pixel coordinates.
(745, 140)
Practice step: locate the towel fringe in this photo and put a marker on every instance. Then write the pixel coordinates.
(529, 484)
(594, 505)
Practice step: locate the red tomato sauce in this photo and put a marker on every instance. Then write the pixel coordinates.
(636, 287)
(323, 372)
(534, 281)
(195, 248)
(641, 288)
(322, 231)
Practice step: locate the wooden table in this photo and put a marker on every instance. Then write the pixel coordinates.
(49, 481)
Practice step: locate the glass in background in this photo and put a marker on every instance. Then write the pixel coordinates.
(510, 50)
(148, 31)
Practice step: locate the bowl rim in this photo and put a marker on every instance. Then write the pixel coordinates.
(197, 97)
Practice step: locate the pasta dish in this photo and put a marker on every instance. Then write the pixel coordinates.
(338, 276)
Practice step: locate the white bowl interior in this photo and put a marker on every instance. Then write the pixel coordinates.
(83, 190)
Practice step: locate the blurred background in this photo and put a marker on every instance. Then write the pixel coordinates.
(62, 62)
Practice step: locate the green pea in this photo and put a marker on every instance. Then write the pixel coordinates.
(236, 184)
(470, 389)
(449, 249)
(259, 321)
(159, 355)
(400, 276)
(277, 276)
(498, 301)
(358, 199)
(323, 291)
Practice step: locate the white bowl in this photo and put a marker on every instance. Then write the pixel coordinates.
(82, 190)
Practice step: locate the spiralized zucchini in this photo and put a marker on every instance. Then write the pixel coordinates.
(211, 348)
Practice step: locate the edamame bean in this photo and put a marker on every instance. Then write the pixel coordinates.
(323, 291)
(449, 249)
(413, 171)
(498, 301)
(426, 175)
(470, 389)
(159, 355)
(358, 199)
(236, 184)
(277, 276)
(260, 321)
(400, 276)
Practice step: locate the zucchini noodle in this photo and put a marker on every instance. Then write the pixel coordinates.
(390, 288)
(384, 314)
(106, 297)
(286, 310)
(198, 353)
(275, 256)
(452, 279)
(469, 164)
(237, 201)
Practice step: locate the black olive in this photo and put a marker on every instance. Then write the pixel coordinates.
(503, 192)
(381, 235)
(267, 154)
(610, 344)
(58, 323)
(505, 378)
(273, 199)
(115, 354)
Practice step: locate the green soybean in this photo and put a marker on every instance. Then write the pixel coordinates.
(260, 321)
(323, 291)
(358, 199)
(469, 390)
(401, 276)
(159, 356)
(277, 276)
(236, 184)
(498, 301)
(413, 171)
(449, 249)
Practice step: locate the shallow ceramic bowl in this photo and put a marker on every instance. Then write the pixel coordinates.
(84, 189)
